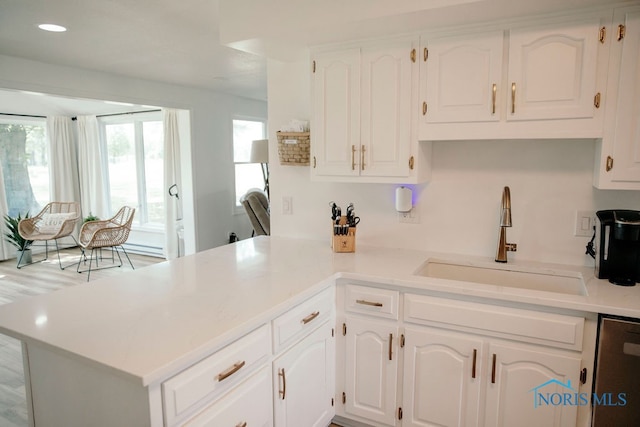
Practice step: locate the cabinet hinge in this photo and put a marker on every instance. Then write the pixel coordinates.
(425, 54)
(621, 31)
(424, 108)
(603, 34)
(413, 55)
(411, 163)
(399, 413)
(401, 340)
(596, 100)
(609, 164)
(313, 67)
(583, 376)
(344, 329)
(344, 397)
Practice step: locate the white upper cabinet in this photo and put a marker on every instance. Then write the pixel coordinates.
(618, 153)
(385, 127)
(363, 128)
(461, 78)
(552, 72)
(336, 109)
(541, 80)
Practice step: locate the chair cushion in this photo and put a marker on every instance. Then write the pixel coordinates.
(50, 223)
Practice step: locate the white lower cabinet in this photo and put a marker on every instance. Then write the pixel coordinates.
(371, 369)
(442, 378)
(447, 362)
(303, 381)
(519, 374)
(446, 375)
(232, 410)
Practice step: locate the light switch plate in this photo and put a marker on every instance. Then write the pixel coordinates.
(585, 223)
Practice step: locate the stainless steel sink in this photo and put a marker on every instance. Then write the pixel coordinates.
(564, 282)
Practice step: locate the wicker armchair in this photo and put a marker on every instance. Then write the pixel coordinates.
(55, 221)
(110, 233)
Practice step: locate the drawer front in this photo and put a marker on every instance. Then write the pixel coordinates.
(215, 374)
(530, 326)
(247, 405)
(372, 301)
(302, 319)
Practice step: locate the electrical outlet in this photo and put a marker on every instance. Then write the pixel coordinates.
(585, 223)
(287, 205)
(410, 217)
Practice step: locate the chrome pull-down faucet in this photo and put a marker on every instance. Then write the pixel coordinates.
(505, 221)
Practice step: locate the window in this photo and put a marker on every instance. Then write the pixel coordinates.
(24, 156)
(135, 147)
(248, 175)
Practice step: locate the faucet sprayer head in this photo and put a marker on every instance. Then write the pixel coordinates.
(505, 211)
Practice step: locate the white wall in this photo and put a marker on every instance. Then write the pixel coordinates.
(458, 209)
(211, 131)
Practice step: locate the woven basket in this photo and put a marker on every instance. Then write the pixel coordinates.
(294, 148)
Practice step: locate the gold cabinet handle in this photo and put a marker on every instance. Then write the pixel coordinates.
(244, 424)
(596, 100)
(362, 150)
(232, 370)
(371, 303)
(390, 345)
(473, 363)
(609, 164)
(513, 98)
(493, 369)
(413, 55)
(494, 91)
(314, 162)
(621, 32)
(353, 157)
(283, 392)
(310, 317)
(424, 108)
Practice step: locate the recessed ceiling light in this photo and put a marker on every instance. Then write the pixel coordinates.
(52, 27)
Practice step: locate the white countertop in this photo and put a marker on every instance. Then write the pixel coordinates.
(149, 323)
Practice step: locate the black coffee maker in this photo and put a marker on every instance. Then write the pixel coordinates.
(618, 246)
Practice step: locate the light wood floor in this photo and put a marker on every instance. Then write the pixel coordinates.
(33, 280)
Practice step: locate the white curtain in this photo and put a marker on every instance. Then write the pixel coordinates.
(63, 162)
(93, 192)
(172, 184)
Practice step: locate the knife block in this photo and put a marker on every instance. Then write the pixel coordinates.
(344, 243)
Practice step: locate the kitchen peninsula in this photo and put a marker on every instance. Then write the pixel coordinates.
(132, 350)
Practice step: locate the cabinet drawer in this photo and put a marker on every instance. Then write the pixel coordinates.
(233, 408)
(215, 374)
(372, 301)
(530, 326)
(302, 319)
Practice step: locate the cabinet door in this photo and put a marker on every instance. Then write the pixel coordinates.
(336, 113)
(303, 381)
(371, 369)
(463, 78)
(385, 128)
(518, 375)
(231, 409)
(626, 148)
(442, 378)
(552, 72)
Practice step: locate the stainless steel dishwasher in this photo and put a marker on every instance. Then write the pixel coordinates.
(616, 397)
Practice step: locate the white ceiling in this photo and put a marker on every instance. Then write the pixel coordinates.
(178, 41)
